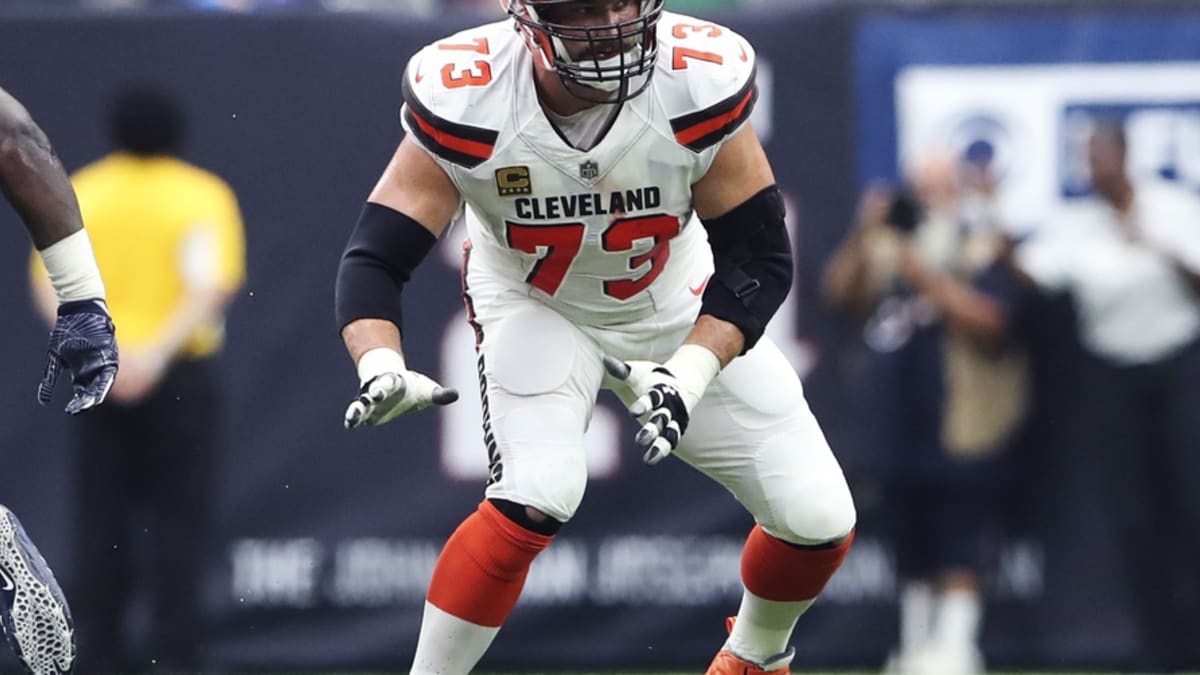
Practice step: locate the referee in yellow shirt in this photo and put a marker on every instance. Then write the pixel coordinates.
(169, 242)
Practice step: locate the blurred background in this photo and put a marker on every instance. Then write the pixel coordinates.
(323, 540)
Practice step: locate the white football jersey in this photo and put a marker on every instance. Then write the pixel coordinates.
(605, 236)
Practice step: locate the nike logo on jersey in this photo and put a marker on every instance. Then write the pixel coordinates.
(417, 76)
(700, 289)
(589, 204)
(6, 582)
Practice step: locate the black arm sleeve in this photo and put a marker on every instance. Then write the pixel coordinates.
(752, 255)
(384, 249)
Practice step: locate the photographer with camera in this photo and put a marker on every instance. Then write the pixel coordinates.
(945, 386)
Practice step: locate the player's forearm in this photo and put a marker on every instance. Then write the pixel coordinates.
(363, 335)
(33, 179)
(718, 336)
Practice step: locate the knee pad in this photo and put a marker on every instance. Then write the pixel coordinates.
(817, 515)
(805, 496)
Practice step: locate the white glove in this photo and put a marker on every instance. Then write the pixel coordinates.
(389, 389)
(666, 395)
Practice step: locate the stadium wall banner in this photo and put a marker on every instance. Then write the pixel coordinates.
(324, 539)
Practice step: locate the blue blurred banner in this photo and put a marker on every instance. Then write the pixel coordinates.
(325, 538)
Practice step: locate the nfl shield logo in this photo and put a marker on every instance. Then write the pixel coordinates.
(589, 170)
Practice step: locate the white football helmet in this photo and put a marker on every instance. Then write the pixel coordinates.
(618, 59)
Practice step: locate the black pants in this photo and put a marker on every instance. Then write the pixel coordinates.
(142, 485)
(1143, 429)
(947, 522)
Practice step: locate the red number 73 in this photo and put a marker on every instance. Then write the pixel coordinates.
(558, 245)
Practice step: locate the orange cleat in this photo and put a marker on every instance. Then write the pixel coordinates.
(728, 663)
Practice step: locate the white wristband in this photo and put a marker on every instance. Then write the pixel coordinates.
(693, 367)
(377, 361)
(72, 268)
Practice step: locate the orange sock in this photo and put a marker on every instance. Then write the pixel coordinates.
(482, 568)
(773, 569)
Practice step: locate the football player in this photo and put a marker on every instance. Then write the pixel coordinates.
(33, 612)
(624, 232)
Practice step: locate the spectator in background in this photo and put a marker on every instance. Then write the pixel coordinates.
(33, 611)
(1129, 255)
(168, 239)
(921, 268)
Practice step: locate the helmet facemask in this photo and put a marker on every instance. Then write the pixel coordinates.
(617, 59)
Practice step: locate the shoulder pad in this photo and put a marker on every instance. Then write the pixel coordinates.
(452, 89)
(705, 79)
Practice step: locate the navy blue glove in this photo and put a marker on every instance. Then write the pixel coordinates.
(83, 342)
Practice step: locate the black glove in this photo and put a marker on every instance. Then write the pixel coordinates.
(664, 395)
(83, 342)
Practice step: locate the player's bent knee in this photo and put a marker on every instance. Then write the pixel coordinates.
(557, 497)
(544, 461)
(527, 517)
(805, 498)
(817, 517)
(555, 489)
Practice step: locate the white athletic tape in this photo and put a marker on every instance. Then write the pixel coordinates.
(72, 268)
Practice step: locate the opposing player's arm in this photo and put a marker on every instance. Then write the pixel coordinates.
(408, 209)
(33, 180)
(32, 177)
